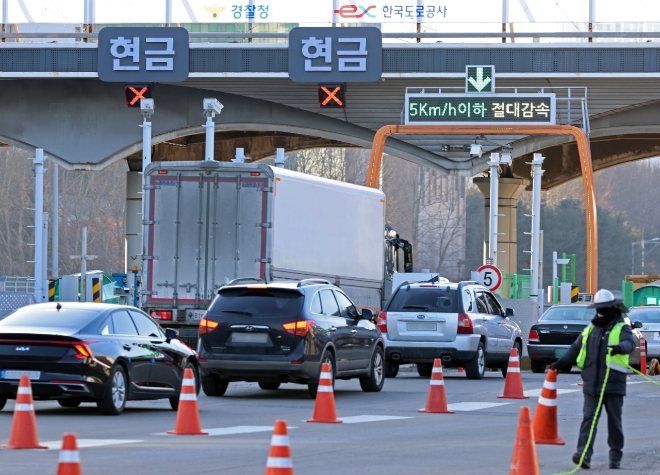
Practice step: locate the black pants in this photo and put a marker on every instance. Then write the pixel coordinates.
(613, 404)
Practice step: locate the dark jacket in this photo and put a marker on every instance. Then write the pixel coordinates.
(593, 372)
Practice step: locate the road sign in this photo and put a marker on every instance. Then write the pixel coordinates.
(479, 109)
(489, 276)
(480, 79)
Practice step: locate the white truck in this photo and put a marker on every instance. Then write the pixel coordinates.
(208, 223)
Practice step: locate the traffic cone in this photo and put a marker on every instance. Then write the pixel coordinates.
(436, 401)
(513, 388)
(524, 461)
(24, 425)
(324, 409)
(187, 416)
(69, 461)
(642, 355)
(279, 458)
(545, 417)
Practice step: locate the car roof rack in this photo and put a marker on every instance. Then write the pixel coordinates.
(305, 282)
(245, 280)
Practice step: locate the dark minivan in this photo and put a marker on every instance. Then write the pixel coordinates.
(282, 332)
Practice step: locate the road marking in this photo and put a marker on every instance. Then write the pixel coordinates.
(537, 392)
(86, 443)
(235, 430)
(369, 418)
(474, 406)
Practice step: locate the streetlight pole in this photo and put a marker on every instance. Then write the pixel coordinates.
(147, 107)
(537, 173)
(494, 165)
(643, 242)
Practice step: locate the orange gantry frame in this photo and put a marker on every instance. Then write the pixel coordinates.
(376, 159)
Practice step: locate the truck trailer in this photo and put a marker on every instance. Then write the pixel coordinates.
(208, 223)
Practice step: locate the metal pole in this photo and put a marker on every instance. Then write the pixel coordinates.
(537, 173)
(592, 17)
(55, 244)
(335, 7)
(83, 266)
(554, 277)
(44, 262)
(168, 12)
(632, 272)
(505, 17)
(494, 206)
(146, 160)
(420, 3)
(38, 223)
(541, 289)
(643, 253)
(210, 136)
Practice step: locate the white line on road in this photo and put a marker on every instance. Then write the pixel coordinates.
(235, 430)
(368, 418)
(86, 443)
(474, 406)
(537, 392)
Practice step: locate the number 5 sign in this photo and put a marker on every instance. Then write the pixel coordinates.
(490, 277)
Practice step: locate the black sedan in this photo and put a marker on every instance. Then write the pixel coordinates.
(558, 328)
(91, 352)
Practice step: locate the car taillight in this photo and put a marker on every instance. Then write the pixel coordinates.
(161, 314)
(83, 350)
(464, 324)
(381, 322)
(533, 336)
(299, 328)
(207, 326)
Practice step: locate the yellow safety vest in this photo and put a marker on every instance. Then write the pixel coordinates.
(616, 362)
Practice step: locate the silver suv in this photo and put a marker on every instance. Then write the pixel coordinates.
(461, 323)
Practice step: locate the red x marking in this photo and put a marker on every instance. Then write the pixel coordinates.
(138, 94)
(331, 96)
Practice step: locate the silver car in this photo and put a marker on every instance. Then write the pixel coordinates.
(650, 318)
(461, 323)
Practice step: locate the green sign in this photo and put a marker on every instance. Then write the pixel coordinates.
(480, 79)
(478, 109)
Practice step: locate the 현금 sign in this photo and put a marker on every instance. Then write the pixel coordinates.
(479, 109)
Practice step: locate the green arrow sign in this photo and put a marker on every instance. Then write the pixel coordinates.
(480, 79)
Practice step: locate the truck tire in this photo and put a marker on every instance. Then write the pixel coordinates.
(424, 369)
(214, 387)
(505, 365)
(391, 369)
(373, 382)
(538, 366)
(476, 367)
(269, 386)
(313, 388)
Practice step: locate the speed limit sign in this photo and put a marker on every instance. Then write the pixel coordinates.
(489, 276)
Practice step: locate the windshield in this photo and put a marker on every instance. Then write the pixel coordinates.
(569, 313)
(425, 299)
(646, 315)
(268, 303)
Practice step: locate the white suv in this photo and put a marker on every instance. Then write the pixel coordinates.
(461, 323)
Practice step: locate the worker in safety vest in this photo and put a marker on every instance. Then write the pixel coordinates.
(607, 341)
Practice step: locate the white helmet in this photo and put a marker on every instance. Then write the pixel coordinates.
(605, 298)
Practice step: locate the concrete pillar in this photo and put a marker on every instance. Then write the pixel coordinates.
(133, 220)
(510, 190)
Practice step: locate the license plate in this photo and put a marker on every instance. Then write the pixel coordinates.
(16, 374)
(196, 315)
(559, 352)
(421, 327)
(240, 337)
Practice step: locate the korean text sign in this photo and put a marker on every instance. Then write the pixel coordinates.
(480, 109)
(143, 54)
(335, 55)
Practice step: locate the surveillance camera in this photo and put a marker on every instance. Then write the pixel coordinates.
(476, 149)
(506, 158)
(212, 105)
(147, 105)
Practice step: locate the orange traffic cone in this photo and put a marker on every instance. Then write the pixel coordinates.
(324, 409)
(513, 388)
(279, 458)
(524, 461)
(69, 461)
(24, 426)
(545, 417)
(642, 355)
(436, 401)
(187, 416)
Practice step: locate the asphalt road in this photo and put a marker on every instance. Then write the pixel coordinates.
(393, 439)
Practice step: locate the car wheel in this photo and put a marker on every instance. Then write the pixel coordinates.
(214, 387)
(373, 382)
(476, 367)
(314, 387)
(424, 369)
(505, 365)
(3, 401)
(174, 401)
(391, 369)
(538, 366)
(114, 401)
(269, 386)
(69, 402)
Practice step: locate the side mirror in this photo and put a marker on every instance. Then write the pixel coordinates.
(637, 324)
(171, 334)
(509, 313)
(367, 314)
